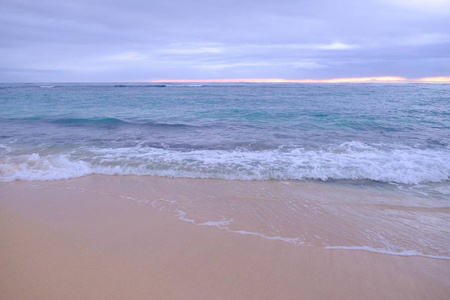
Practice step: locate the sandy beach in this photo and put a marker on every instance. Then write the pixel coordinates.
(97, 237)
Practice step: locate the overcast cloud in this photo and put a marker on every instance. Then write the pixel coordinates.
(94, 40)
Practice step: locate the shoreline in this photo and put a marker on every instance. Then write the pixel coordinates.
(81, 238)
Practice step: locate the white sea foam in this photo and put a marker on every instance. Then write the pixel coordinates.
(5, 149)
(385, 251)
(225, 224)
(348, 161)
(354, 161)
(35, 167)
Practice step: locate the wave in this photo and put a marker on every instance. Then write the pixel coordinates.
(115, 121)
(348, 161)
(185, 85)
(165, 125)
(36, 167)
(139, 86)
(97, 121)
(79, 121)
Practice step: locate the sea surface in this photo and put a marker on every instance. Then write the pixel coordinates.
(393, 138)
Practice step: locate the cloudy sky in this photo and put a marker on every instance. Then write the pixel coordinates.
(131, 40)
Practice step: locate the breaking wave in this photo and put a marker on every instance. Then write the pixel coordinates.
(353, 161)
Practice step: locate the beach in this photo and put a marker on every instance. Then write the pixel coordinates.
(96, 237)
(224, 191)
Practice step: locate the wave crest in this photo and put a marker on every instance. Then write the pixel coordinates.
(352, 161)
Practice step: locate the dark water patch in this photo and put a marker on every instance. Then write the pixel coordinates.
(139, 86)
(36, 118)
(88, 122)
(436, 142)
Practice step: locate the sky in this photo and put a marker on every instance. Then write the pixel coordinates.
(131, 40)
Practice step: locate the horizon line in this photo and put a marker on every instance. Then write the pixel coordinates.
(377, 79)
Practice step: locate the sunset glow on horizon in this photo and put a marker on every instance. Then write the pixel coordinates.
(441, 79)
(379, 79)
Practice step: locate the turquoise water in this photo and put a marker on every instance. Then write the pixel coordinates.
(382, 133)
(371, 161)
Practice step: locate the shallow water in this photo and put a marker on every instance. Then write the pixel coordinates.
(329, 215)
(333, 215)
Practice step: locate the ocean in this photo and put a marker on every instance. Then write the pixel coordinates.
(388, 143)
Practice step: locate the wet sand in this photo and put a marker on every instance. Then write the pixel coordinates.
(83, 239)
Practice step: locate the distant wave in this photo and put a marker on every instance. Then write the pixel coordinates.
(167, 125)
(139, 86)
(185, 85)
(99, 121)
(115, 121)
(88, 121)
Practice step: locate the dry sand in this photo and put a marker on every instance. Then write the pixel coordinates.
(71, 239)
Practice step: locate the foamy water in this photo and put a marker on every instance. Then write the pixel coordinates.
(353, 160)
